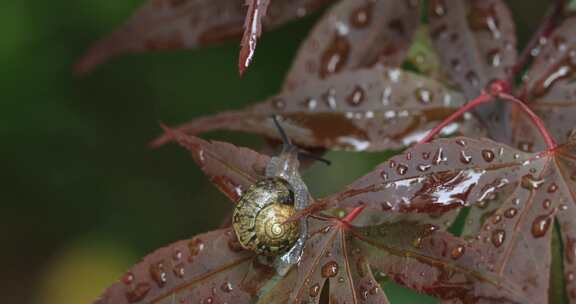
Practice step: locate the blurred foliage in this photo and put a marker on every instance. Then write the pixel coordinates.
(73, 150)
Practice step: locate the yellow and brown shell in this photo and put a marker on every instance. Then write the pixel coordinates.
(260, 214)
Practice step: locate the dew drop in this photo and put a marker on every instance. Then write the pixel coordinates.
(278, 103)
(496, 219)
(179, 270)
(311, 104)
(384, 175)
(488, 155)
(424, 95)
(439, 157)
(158, 274)
(438, 8)
(530, 182)
(540, 225)
(208, 300)
(315, 290)
(128, 278)
(457, 252)
(546, 204)
(494, 58)
(472, 78)
(570, 276)
(226, 287)
(498, 237)
(511, 212)
(401, 169)
(461, 142)
(195, 246)
(356, 97)
(425, 155)
(424, 168)
(335, 56)
(330, 269)
(340, 280)
(465, 159)
(361, 17)
(552, 188)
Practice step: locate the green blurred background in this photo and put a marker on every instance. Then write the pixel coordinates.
(82, 198)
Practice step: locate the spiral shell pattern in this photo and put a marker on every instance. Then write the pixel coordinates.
(260, 214)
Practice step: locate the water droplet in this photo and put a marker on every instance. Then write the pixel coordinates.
(417, 242)
(439, 157)
(424, 95)
(179, 270)
(457, 251)
(226, 287)
(158, 274)
(335, 56)
(552, 188)
(461, 142)
(330, 269)
(496, 219)
(498, 237)
(438, 8)
(465, 159)
(570, 276)
(530, 182)
(177, 255)
(386, 206)
(315, 290)
(138, 293)
(330, 99)
(311, 104)
(525, 146)
(494, 58)
(195, 246)
(340, 280)
(424, 168)
(488, 155)
(540, 225)
(278, 103)
(128, 278)
(511, 212)
(401, 169)
(546, 204)
(425, 155)
(361, 17)
(356, 97)
(208, 300)
(384, 175)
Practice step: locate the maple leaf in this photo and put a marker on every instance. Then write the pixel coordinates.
(252, 31)
(187, 24)
(369, 109)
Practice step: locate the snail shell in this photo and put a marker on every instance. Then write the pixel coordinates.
(260, 214)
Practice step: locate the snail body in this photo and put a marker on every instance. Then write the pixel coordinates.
(260, 215)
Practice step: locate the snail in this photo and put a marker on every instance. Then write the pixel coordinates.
(259, 218)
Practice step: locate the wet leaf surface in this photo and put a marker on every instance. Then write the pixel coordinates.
(188, 24)
(365, 110)
(439, 176)
(355, 34)
(476, 41)
(230, 168)
(252, 31)
(210, 268)
(330, 263)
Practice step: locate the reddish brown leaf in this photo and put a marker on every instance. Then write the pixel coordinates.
(549, 89)
(373, 110)
(355, 34)
(230, 168)
(434, 177)
(436, 263)
(328, 259)
(187, 24)
(210, 267)
(252, 31)
(475, 39)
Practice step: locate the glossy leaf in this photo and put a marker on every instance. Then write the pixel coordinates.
(210, 267)
(230, 168)
(475, 39)
(549, 88)
(434, 177)
(355, 34)
(187, 24)
(328, 262)
(372, 110)
(436, 263)
(252, 31)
